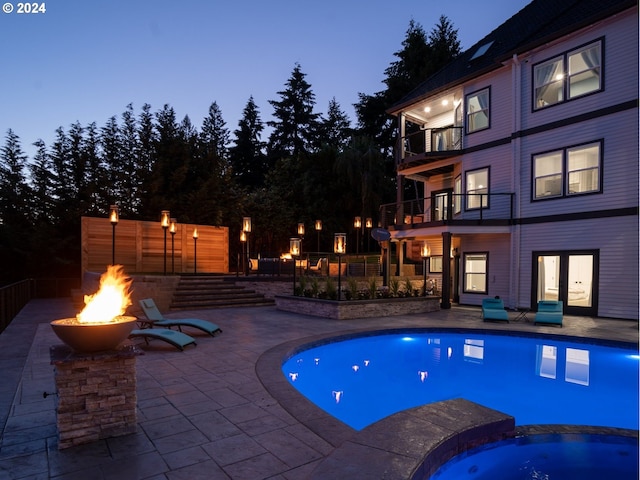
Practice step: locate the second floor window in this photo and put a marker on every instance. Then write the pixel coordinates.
(478, 110)
(566, 172)
(567, 76)
(478, 188)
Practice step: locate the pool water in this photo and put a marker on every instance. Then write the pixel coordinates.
(538, 380)
(547, 457)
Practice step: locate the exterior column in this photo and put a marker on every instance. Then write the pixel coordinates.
(446, 270)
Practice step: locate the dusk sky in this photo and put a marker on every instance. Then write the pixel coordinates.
(85, 60)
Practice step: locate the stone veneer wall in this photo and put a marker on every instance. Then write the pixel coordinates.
(345, 310)
(96, 394)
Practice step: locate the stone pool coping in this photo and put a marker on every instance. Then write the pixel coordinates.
(411, 444)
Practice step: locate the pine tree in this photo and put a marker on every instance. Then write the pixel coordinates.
(247, 158)
(41, 183)
(15, 193)
(335, 129)
(295, 129)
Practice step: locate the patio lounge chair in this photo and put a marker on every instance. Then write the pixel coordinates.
(177, 339)
(549, 312)
(155, 318)
(493, 309)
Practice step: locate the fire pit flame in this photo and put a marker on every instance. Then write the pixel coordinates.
(111, 300)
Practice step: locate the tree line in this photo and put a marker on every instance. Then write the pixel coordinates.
(311, 166)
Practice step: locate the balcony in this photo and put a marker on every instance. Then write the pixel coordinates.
(449, 209)
(431, 144)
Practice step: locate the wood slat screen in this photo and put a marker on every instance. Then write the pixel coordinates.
(139, 247)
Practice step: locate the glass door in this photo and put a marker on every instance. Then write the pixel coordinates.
(440, 203)
(567, 276)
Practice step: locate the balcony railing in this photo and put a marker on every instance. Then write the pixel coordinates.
(449, 208)
(432, 140)
(12, 298)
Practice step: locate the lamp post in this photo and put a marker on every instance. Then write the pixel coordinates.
(368, 225)
(318, 229)
(165, 219)
(246, 228)
(243, 240)
(294, 249)
(195, 251)
(357, 224)
(424, 253)
(173, 228)
(339, 248)
(113, 218)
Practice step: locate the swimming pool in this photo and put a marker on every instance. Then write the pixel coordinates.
(584, 457)
(538, 380)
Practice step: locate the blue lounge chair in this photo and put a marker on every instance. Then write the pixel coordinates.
(493, 310)
(177, 339)
(155, 318)
(549, 312)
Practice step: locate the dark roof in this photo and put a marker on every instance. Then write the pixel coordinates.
(539, 22)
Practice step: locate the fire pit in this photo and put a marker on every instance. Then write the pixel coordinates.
(101, 325)
(93, 337)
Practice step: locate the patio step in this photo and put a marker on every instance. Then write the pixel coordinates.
(201, 291)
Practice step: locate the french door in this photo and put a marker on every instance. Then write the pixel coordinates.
(569, 276)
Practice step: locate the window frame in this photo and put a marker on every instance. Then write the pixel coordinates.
(467, 113)
(565, 88)
(465, 286)
(565, 172)
(485, 200)
(433, 264)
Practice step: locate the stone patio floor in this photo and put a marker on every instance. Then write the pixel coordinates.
(208, 412)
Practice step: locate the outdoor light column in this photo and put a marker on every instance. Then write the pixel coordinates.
(172, 231)
(424, 253)
(246, 228)
(318, 229)
(165, 219)
(113, 218)
(357, 224)
(294, 250)
(339, 248)
(368, 225)
(243, 240)
(301, 235)
(195, 251)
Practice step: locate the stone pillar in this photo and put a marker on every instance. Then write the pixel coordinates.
(96, 394)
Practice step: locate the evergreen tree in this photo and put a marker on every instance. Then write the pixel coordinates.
(41, 183)
(247, 158)
(146, 157)
(335, 129)
(444, 43)
(15, 194)
(295, 127)
(112, 158)
(130, 189)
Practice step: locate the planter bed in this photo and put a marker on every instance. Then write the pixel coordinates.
(348, 309)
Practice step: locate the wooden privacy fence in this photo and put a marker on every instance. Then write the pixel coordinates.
(139, 247)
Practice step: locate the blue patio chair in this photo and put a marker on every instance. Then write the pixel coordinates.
(156, 319)
(493, 310)
(549, 313)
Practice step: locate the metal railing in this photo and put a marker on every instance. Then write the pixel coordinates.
(432, 140)
(12, 298)
(449, 208)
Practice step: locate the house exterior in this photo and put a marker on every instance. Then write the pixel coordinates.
(526, 148)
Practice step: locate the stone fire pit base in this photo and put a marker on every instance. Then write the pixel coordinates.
(96, 394)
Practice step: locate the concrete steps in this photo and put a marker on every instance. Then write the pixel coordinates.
(202, 291)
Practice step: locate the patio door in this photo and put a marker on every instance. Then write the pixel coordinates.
(571, 277)
(440, 202)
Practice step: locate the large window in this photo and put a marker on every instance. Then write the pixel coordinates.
(457, 195)
(570, 75)
(478, 188)
(478, 110)
(566, 172)
(475, 272)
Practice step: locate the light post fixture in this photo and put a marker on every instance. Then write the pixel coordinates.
(339, 248)
(173, 228)
(357, 224)
(165, 219)
(424, 253)
(368, 224)
(195, 250)
(113, 218)
(295, 244)
(246, 228)
(318, 230)
(243, 240)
